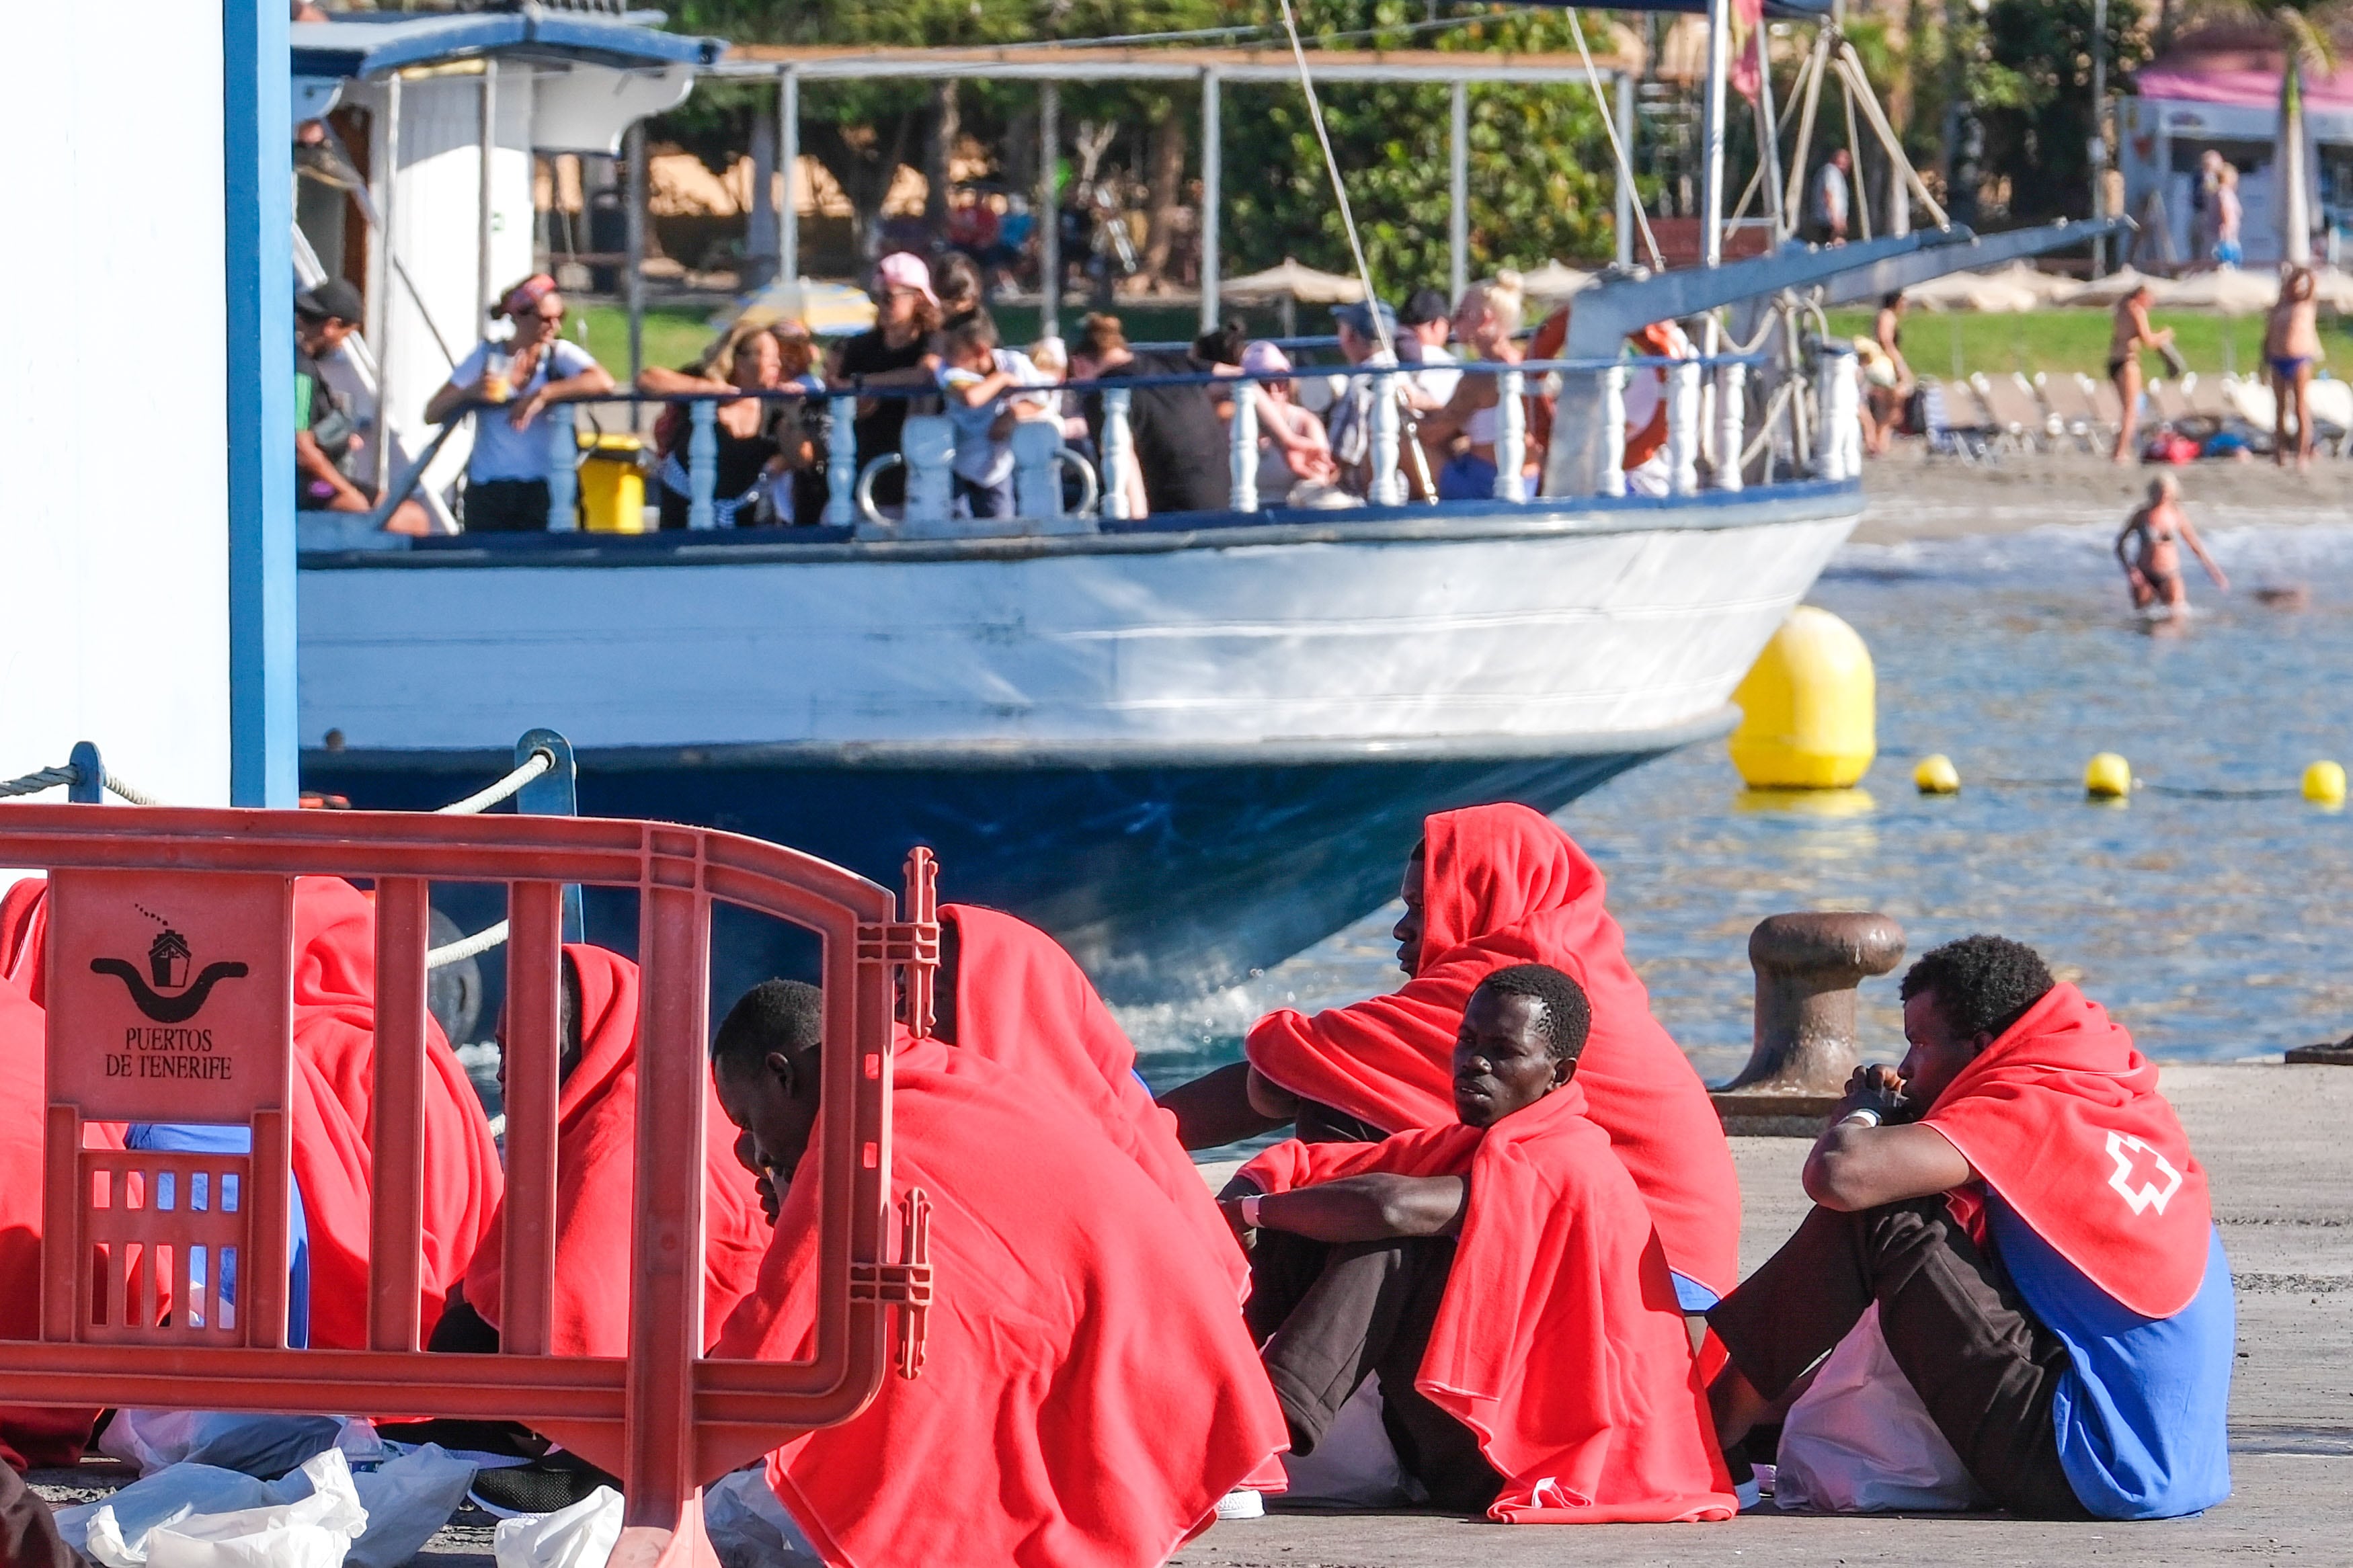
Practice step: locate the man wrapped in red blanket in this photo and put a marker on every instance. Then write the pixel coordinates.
(2021, 1203)
(1489, 886)
(1501, 1275)
(1089, 1391)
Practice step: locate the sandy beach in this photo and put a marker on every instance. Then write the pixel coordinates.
(1916, 496)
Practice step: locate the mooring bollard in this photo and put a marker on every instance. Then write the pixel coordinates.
(1808, 966)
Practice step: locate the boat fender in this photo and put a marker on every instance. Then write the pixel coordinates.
(1807, 707)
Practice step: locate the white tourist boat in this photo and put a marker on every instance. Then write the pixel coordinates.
(1189, 746)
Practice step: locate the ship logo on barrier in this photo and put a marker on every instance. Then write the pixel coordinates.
(163, 993)
(2148, 1194)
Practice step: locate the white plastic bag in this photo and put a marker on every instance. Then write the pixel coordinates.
(252, 1444)
(581, 1536)
(407, 1500)
(199, 1517)
(748, 1525)
(1356, 1464)
(1860, 1441)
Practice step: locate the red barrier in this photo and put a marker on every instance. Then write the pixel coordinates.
(169, 999)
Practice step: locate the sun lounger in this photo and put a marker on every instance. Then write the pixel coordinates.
(2070, 402)
(2016, 413)
(1958, 422)
(2105, 405)
(2206, 398)
(2166, 398)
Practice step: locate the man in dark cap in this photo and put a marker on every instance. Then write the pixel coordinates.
(325, 434)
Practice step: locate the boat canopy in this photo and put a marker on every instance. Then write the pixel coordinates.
(355, 47)
(1777, 10)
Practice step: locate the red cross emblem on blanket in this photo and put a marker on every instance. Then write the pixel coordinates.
(2158, 1180)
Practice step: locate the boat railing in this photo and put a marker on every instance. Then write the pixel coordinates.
(1704, 404)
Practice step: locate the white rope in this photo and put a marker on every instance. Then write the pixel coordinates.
(1331, 167)
(457, 951)
(53, 778)
(1617, 148)
(539, 762)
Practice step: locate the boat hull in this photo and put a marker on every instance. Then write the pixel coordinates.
(1188, 750)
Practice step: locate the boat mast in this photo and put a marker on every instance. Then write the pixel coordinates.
(1719, 65)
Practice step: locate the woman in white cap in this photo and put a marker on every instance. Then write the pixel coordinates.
(891, 353)
(506, 477)
(1292, 444)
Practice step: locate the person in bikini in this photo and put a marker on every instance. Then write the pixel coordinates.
(2291, 348)
(2155, 570)
(2133, 334)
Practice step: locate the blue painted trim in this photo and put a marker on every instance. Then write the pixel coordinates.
(356, 46)
(259, 210)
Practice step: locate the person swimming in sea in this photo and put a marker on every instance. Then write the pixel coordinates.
(2155, 570)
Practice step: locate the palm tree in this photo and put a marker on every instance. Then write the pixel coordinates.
(2304, 45)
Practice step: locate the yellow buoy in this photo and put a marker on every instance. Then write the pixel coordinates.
(1807, 707)
(1936, 775)
(2324, 785)
(2108, 777)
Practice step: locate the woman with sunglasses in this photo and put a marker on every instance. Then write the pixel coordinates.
(506, 477)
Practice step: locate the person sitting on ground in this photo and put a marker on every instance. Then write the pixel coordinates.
(333, 1109)
(596, 1160)
(2021, 1203)
(326, 437)
(1485, 888)
(506, 474)
(29, 1530)
(2154, 572)
(1089, 1391)
(2291, 348)
(1177, 446)
(1502, 1277)
(2131, 332)
(1487, 324)
(977, 378)
(750, 460)
(1292, 448)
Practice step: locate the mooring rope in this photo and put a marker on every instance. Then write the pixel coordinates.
(53, 778)
(464, 948)
(539, 762)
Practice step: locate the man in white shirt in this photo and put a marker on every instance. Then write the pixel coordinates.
(1832, 199)
(1350, 420)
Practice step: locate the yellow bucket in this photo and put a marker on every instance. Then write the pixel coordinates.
(612, 486)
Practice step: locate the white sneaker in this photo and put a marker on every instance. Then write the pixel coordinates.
(1241, 1503)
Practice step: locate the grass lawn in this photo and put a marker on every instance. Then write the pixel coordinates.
(675, 335)
(1964, 343)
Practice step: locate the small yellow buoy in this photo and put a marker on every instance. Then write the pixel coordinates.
(2108, 777)
(1807, 707)
(1936, 775)
(2324, 785)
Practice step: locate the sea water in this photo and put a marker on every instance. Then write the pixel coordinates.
(2214, 925)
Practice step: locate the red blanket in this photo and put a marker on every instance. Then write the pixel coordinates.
(334, 1066)
(596, 1184)
(2062, 1117)
(1503, 886)
(1559, 1342)
(334, 1042)
(29, 1434)
(1024, 1003)
(1088, 1393)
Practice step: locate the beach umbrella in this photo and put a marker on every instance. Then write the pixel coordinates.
(2333, 286)
(2226, 291)
(1988, 292)
(826, 309)
(1555, 281)
(1291, 281)
(2102, 293)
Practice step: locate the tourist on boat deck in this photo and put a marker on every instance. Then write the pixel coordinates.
(1831, 200)
(1177, 458)
(1487, 324)
(1292, 448)
(1089, 1390)
(889, 354)
(507, 385)
(326, 436)
(1501, 1277)
(2022, 1205)
(1362, 326)
(1488, 888)
(977, 379)
(1648, 472)
(1425, 325)
(752, 474)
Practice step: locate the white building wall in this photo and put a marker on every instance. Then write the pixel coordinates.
(114, 502)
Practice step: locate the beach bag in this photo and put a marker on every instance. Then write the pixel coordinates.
(1860, 1441)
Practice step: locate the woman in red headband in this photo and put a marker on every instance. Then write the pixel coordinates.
(506, 476)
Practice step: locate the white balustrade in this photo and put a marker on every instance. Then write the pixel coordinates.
(1613, 430)
(1117, 446)
(1388, 488)
(1036, 474)
(562, 464)
(842, 463)
(1242, 448)
(1682, 427)
(927, 442)
(1842, 411)
(1731, 424)
(701, 464)
(1511, 436)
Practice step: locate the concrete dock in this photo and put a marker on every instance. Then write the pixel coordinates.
(2277, 1143)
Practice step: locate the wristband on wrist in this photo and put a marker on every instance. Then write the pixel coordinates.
(1250, 1210)
(1861, 1116)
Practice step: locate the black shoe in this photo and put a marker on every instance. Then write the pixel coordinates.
(544, 1485)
